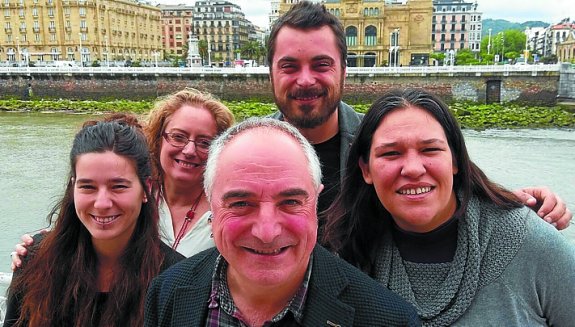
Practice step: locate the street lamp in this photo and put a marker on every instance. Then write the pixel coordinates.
(107, 51)
(209, 52)
(156, 54)
(489, 42)
(80, 50)
(394, 47)
(18, 48)
(503, 47)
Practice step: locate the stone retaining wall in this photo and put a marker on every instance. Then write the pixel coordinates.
(540, 89)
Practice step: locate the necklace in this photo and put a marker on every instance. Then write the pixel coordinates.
(189, 217)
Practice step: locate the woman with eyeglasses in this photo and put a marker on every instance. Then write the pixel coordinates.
(180, 129)
(94, 266)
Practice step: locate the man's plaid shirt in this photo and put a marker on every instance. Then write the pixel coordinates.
(222, 311)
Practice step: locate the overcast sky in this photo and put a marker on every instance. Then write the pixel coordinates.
(550, 11)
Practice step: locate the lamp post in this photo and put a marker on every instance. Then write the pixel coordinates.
(107, 51)
(489, 42)
(209, 52)
(18, 49)
(502, 47)
(396, 47)
(80, 50)
(156, 54)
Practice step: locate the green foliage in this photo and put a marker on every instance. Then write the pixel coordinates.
(465, 57)
(203, 49)
(246, 109)
(498, 25)
(76, 106)
(252, 50)
(482, 116)
(470, 115)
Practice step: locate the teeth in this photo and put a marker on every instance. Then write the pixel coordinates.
(104, 220)
(186, 164)
(267, 252)
(415, 191)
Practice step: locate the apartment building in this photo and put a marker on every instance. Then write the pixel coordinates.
(456, 25)
(225, 28)
(176, 27)
(84, 31)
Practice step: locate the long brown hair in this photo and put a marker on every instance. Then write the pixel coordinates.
(165, 107)
(58, 286)
(356, 220)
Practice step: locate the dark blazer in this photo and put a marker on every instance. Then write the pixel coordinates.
(338, 295)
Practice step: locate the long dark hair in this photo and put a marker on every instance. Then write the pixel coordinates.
(58, 286)
(356, 220)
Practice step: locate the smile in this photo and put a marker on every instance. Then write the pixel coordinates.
(308, 98)
(267, 252)
(103, 220)
(187, 164)
(415, 191)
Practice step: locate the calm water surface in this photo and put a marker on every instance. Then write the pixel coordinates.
(34, 164)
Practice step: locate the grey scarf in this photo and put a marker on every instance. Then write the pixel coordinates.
(488, 238)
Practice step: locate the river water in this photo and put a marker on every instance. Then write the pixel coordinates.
(34, 149)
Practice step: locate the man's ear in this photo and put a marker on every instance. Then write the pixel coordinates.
(364, 166)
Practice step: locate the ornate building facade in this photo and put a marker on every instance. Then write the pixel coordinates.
(382, 32)
(83, 31)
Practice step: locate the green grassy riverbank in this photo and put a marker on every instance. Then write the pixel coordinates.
(470, 115)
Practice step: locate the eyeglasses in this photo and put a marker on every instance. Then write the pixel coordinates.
(179, 140)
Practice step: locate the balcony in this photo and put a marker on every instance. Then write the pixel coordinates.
(83, 29)
(36, 29)
(8, 30)
(52, 29)
(22, 29)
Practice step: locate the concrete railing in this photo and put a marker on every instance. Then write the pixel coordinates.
(367, 71)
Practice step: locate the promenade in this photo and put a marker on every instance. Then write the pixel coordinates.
(505, 70)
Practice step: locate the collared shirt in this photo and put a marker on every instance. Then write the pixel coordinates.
(222, 311)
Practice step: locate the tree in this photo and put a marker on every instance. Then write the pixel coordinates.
(510, 42)
(252, 50)
(465, 57)
(438, 56)
(203, 49)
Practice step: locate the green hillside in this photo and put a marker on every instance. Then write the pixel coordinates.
(498, 25)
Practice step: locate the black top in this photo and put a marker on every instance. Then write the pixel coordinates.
(329, 157)
(14, 304)
(437, 246)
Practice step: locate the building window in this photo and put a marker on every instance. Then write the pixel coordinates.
(351, 36)
(370, 36)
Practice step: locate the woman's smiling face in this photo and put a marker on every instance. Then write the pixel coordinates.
(411, 168)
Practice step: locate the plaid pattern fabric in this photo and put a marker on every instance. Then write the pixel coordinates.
(222, 311)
